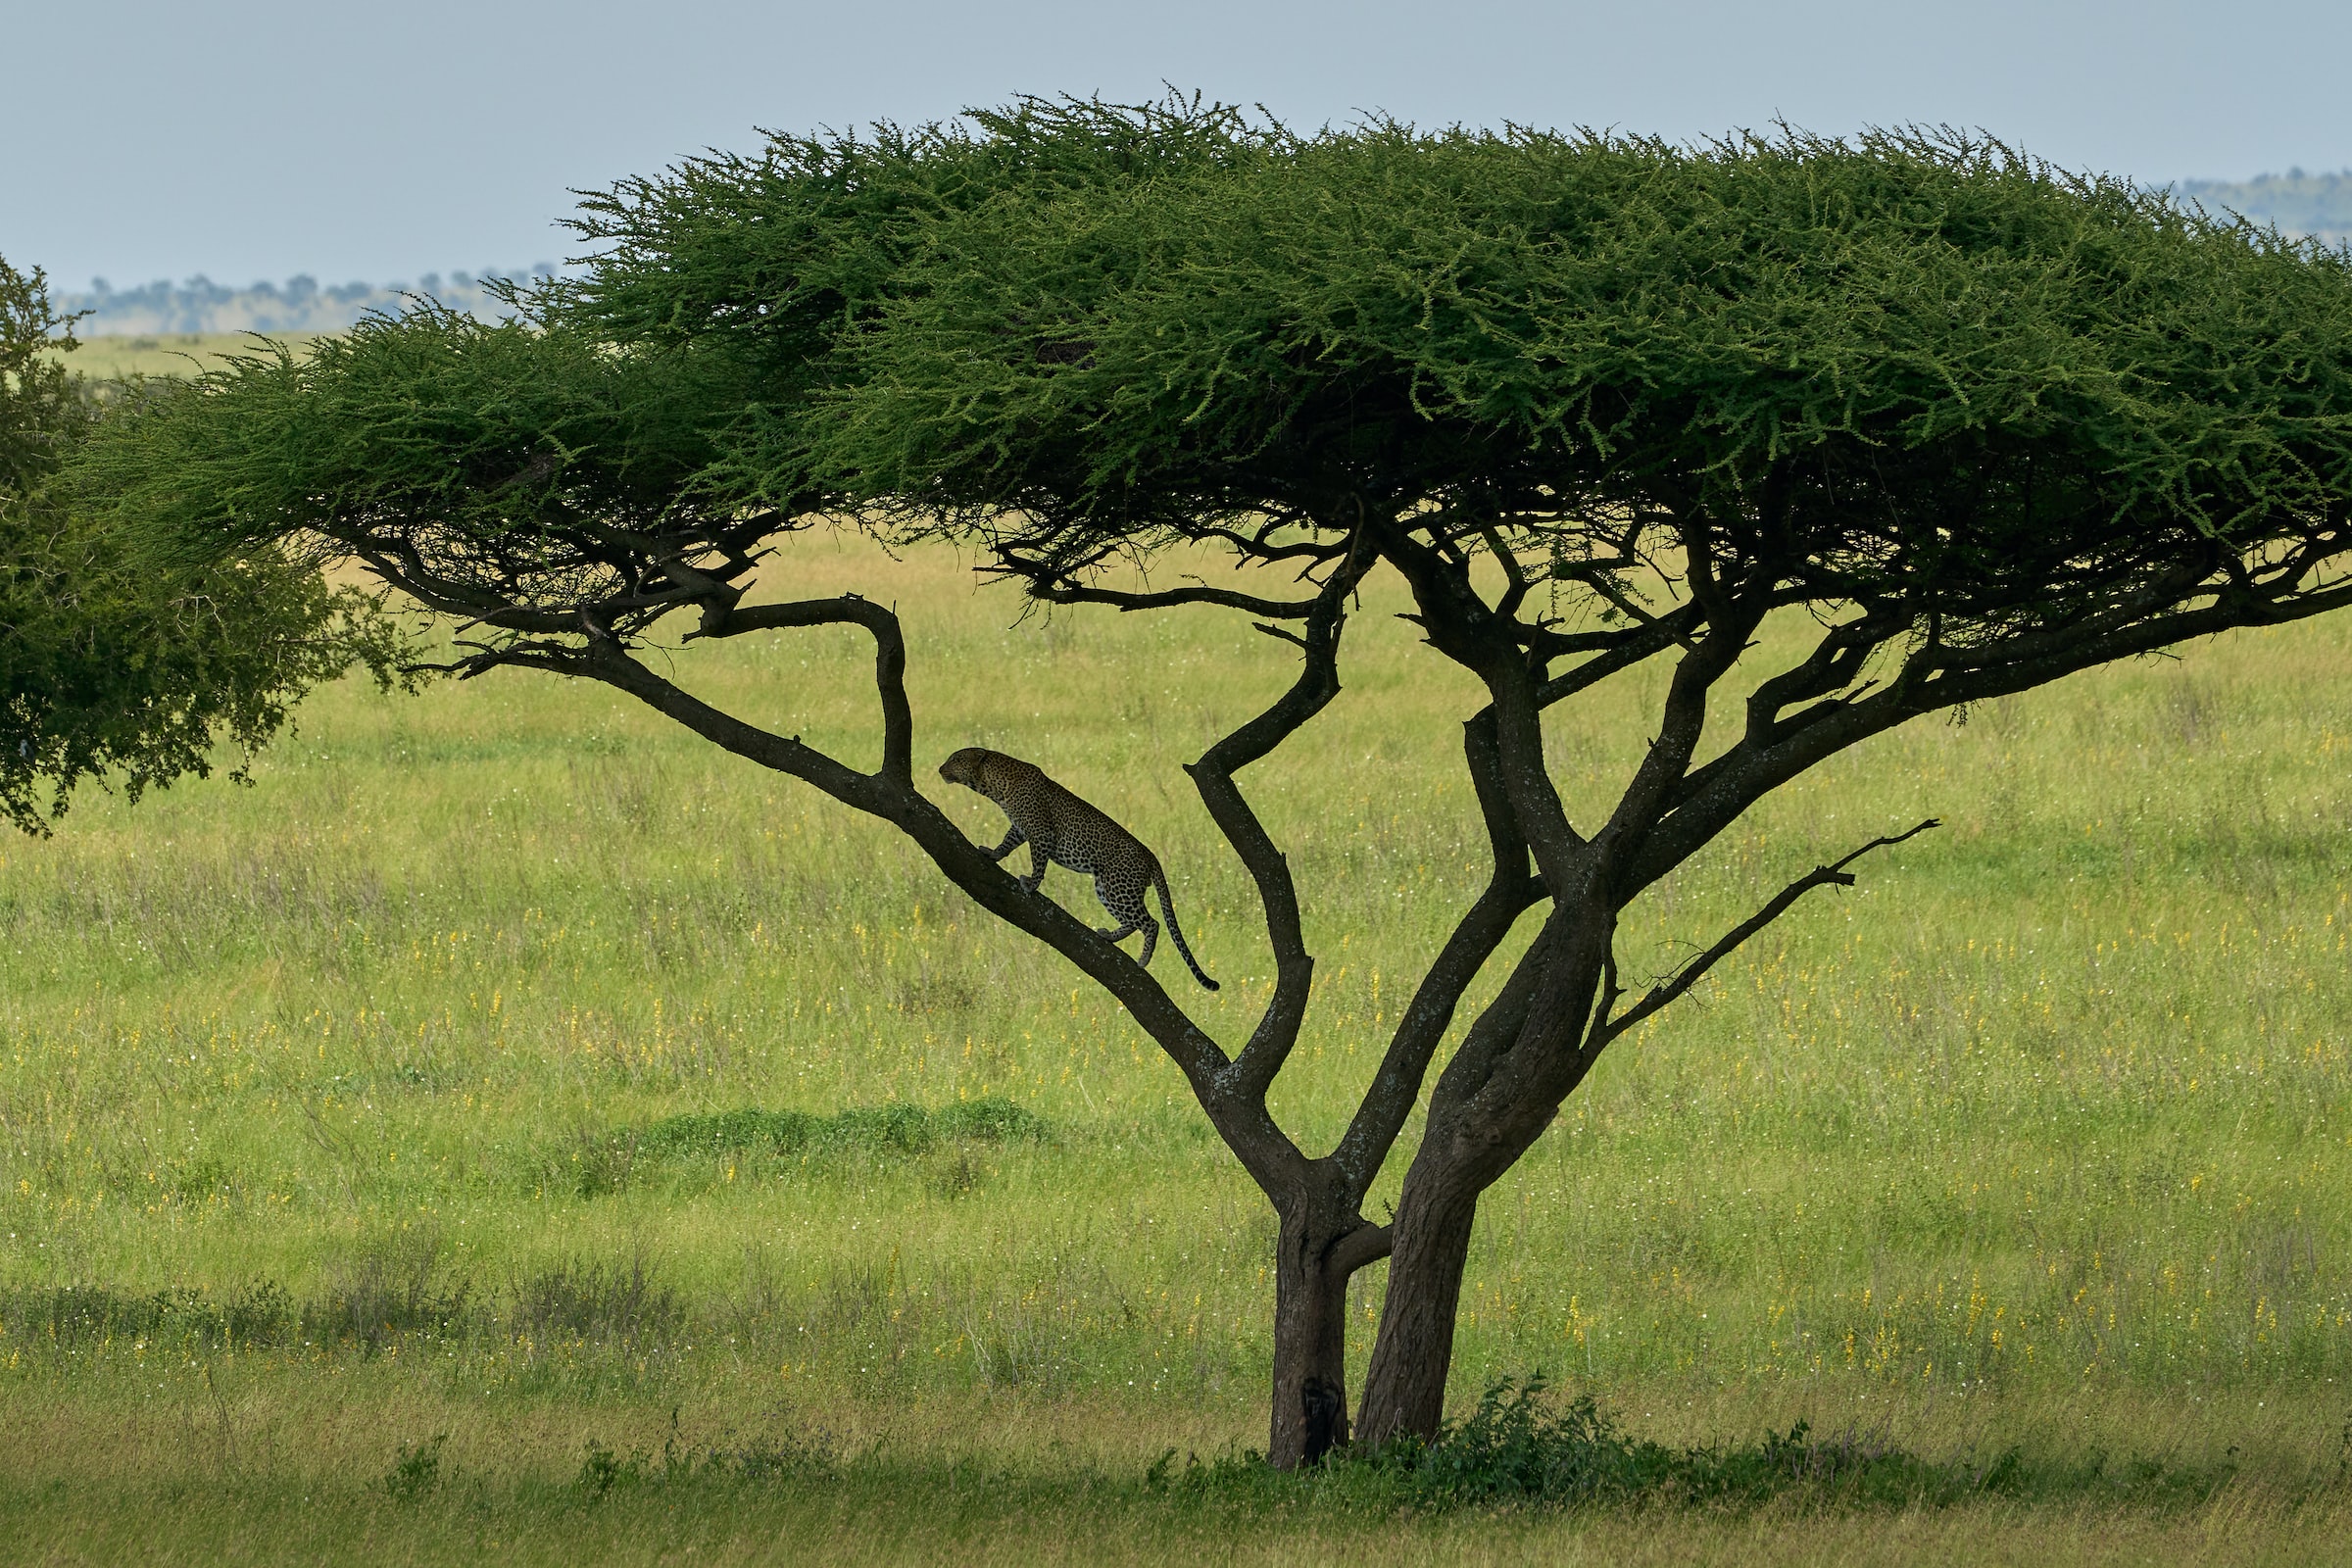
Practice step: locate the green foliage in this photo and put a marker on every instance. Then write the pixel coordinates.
(120, 660)
(785, 252)
(131, 672)
(1931, 377)
(494, 432)
(41, 409)
(1944, 368)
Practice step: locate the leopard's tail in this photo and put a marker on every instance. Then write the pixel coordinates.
(1167, 908)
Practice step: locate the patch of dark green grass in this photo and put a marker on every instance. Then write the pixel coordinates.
(261, 1313)
(761, 1461)
(893, 1133)
(899, 1129)
(586, 1299)
(373, 1298)
(415, 1469)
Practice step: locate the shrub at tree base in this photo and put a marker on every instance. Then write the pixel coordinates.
(1517, 1448)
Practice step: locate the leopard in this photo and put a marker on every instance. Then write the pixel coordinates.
(1061, 828)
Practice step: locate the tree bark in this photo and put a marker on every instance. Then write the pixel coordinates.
(1524, 1054)
(1405, 1387)
(1310, 1345)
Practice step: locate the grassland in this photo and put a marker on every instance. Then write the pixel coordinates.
(106, 356)
(334, 1116)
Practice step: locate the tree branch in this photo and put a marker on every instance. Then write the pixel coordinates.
(1835, 874)
(1463, 626)
(1621, 650)
(1318, 682)
(1683, 720)
(1070, 593)
(1366, 1244)
(1711, 798)
(1511, 891)
(890, 660)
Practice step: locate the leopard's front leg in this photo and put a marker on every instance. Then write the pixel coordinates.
(1015, 838)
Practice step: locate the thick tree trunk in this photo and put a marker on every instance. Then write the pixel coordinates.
(1404, 1388)
(1310, 1347)
(1521, 1058)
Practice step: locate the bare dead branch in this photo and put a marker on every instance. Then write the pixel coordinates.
(1835, 874)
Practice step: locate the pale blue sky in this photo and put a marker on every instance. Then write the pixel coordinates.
(258, 139)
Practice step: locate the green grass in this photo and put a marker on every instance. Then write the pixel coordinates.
(436, 1055)
(105, 356)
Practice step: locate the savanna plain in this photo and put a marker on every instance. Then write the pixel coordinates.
(109, 355)
(513, 1129)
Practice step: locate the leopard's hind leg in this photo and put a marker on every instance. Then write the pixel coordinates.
(1126, 905)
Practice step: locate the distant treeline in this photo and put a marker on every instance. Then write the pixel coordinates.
(298, 305)
(2299, 203)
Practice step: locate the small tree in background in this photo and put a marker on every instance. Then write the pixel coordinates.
(41, 407)
(121, 662)
(1970, 424)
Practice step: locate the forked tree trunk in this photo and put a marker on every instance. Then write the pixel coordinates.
(1405, 1387)
(1310, 1347)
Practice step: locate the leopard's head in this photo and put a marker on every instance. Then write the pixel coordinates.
(963, 767)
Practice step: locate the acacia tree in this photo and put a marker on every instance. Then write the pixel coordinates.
(1597, 402)
(119, 662)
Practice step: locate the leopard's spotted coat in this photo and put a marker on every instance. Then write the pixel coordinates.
(1059, 826)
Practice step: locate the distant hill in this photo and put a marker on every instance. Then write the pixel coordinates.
(2319, 204)
(298, 305)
